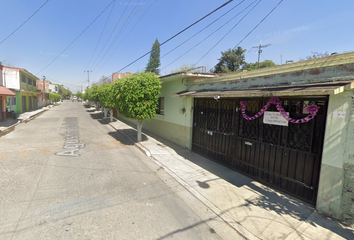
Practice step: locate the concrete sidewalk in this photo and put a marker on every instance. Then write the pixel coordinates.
(254, 210)
(9, 124)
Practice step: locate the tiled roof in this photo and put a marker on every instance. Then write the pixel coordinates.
(6, 92)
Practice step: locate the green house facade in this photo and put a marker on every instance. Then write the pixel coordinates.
(24, 85)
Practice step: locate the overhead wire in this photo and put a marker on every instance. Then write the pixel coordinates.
(203, 28)
(115, 26)
(126, 36)
(228, 32)
(77, 36)
(120, 32)
(215, 32)
(99, 40)
(223, 5)
(24, 22)
(258, 24)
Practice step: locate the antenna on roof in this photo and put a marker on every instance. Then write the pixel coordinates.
(260, 50)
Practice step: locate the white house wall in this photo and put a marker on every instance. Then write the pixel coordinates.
(11, 78)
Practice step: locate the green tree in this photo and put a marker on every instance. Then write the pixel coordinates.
(107, 97)
(154, 60)
(136, 97)
(231, 60)
(92, 95)
(54, 97)
(79, 94)
(65, 93)
(264, 64)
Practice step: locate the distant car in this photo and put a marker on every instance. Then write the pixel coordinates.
(79, 99)
(74, 97)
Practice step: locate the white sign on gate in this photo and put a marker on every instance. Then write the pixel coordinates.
(274, 118)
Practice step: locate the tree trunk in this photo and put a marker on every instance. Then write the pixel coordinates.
(139, 128)
(111, 114)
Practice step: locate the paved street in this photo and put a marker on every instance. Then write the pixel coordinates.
(69, 175)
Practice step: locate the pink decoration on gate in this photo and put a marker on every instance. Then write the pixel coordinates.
(312, 109)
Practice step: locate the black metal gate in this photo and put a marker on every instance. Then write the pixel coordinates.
(285, 157)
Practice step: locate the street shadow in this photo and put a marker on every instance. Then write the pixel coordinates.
(132, 133)
(121, 138)
(99, 117)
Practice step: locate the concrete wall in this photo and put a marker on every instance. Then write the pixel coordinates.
(336, 188)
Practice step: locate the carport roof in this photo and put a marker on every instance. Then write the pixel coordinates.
(315, 89)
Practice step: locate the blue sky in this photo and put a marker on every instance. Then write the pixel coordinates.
(126, 29)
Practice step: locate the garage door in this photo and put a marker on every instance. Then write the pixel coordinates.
(286, 157)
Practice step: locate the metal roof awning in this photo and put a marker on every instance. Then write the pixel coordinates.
(315, 89)
(6, 92)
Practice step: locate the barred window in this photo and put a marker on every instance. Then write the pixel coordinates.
(23, 78)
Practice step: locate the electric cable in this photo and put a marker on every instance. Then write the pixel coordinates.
(77, 36)
(177, 34)
(120, 32)
(24, 22)
(228, 32)
(258, 24)
(99, 40)
(124, 38)
(115, 26)
(203, 29)
(215, 32)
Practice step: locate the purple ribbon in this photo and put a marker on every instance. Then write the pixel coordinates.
(312, 109)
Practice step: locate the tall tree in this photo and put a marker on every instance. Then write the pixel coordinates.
(137, 97)
(154, 60)
(231, 60)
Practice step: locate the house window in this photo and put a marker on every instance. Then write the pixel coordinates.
(29, 81)
(161, 106)
(34, 83)
(13, 100)
(23, 78)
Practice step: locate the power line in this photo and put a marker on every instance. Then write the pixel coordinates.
(125, 37)
(120, 19)
(99, 40)
(258, 24)
(115, 24)
(77, 36)
(24, 22)
(203, 29)
(228, 32)
(178, 34)
(212, 34)
(120, 32)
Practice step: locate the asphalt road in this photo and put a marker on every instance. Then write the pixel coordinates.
(68, 175)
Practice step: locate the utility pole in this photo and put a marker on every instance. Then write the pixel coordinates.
(88, 78)
(260, 50)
